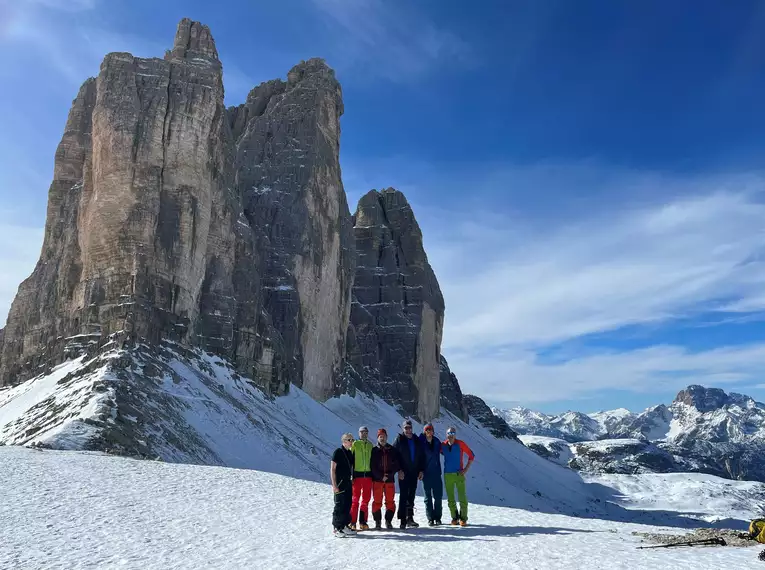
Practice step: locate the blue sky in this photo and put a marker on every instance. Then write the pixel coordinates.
(588, 175)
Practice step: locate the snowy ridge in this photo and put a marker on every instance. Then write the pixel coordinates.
(191, 407)
(704, 430)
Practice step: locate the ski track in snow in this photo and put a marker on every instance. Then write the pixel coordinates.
(72, 510)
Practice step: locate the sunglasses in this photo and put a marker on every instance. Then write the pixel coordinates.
(428, 430)
(450, 433)
(348, 440)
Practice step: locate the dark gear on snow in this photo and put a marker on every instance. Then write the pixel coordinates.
(716, 541)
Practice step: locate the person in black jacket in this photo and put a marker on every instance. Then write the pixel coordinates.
(340, 474)
(412, 460)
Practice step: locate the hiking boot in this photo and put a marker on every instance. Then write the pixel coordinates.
(402, 526)
(339, 533)
(388, 524)
(363, 526)
(463, 523)
(431, 523)
(378, 525)
(410, 522)
(438, 522)
(349, 530)
(455, 522)
(352, 526)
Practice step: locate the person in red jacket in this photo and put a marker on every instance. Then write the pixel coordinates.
(385, 465)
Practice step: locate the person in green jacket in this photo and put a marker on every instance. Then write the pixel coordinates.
(362, 479)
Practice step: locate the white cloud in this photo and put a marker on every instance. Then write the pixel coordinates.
(75, 49)
(518, 281)
(388, 39)
(516, 375)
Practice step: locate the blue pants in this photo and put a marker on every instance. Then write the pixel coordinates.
(434, 492)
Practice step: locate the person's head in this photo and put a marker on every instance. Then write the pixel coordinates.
(347, 440)
(364, 433)
(428, 431)
(407, 425)
(451, 433)
(382, 436)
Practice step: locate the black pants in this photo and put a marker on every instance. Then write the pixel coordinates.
(341, 516)
(407, 489)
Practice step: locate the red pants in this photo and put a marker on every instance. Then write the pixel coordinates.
(362, 490)
(389, 490)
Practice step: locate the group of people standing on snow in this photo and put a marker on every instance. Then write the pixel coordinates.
(361, 470)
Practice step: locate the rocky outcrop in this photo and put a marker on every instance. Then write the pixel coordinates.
(481, 412)
(451, 393)
(396, 321)
(160, 226)
(287, 170)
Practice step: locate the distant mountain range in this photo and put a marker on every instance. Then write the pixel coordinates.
(703, 430)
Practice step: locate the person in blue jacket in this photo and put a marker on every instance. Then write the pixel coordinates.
(431, 480)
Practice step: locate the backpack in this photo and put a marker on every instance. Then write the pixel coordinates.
(757, 530)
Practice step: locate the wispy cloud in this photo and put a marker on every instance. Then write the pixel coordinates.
(545, 255)
(73, 50)
(509, 376)
(389, 39)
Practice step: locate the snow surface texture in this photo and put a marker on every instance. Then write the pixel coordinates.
(73, 510)
(191, 407)
(713, 499)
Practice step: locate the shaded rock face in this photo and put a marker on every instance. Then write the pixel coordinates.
(158, 227)
(396, 320)
(287, 139)
(480, 411)
(703, 399)
(451, 393)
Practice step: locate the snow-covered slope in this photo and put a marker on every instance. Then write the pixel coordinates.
(69, 510)
(713, 499)
(191, 407)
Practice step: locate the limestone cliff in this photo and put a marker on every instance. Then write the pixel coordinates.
(397, 315)
(287, 138)
(157, 227)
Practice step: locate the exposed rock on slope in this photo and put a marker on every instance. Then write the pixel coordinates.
(480, 411)
(451, 393)
(397, 315)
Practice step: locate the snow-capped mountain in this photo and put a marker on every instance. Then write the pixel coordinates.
(703, 430)
(570, 426)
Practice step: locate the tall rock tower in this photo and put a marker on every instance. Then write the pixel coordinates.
(397, 316)
(171, 217)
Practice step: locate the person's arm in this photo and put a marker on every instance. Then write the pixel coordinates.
(398, 461)
(333, 476)
(464, 448)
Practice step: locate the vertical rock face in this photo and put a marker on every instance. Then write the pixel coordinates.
(287, 138)
(139, 174)
(170, 217)
(394, 337)
(451, 393)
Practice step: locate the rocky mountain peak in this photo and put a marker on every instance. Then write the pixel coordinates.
(701, 398)
(193, 41)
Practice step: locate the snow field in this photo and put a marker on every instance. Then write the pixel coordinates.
(72, 510)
